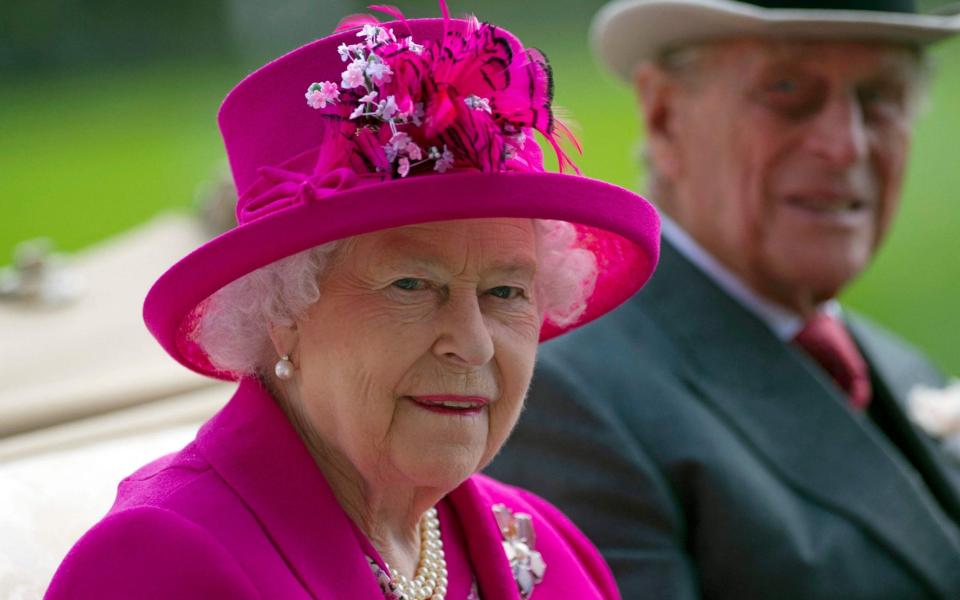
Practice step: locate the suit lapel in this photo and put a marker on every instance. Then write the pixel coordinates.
(256, 450)
(781, 404)
(895, 370)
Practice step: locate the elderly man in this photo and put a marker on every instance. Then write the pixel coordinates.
(732, 432)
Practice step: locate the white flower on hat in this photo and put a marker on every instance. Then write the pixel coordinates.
(378, 70)
(374, 35)
(413, 46)
(387, 109)
(348, 50)
(477, 103)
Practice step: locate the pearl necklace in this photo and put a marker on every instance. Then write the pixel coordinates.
(430, 580)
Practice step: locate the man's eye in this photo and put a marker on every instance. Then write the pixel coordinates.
(886, 101)
(506, 292)
(793, 96)
(410, 284)
(783, 86)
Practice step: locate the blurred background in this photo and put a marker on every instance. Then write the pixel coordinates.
(107, 117)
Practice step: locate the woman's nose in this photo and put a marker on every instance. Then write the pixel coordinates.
(464, 337)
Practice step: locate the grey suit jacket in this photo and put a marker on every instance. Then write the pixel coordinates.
(706, 458)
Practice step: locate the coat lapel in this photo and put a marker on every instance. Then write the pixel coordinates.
(473, 507)
(782, 404)
(256, 450)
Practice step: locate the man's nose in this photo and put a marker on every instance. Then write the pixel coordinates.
(839, 133)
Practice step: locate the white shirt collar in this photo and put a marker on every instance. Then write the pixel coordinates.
(783, 322)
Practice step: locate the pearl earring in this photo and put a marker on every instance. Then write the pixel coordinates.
(284, 368)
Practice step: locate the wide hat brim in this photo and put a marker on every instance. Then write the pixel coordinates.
(626, 33)
(622, 230)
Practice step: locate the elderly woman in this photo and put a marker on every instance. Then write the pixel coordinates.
(399, 254)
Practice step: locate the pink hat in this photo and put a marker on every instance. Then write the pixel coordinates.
(404, 123)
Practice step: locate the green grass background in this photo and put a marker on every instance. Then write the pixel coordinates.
(87, 155)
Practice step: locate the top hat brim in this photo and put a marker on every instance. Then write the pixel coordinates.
(626, 33)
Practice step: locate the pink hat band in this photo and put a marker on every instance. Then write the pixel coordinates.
(277, 188)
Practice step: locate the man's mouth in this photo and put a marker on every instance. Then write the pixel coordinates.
(835, 208)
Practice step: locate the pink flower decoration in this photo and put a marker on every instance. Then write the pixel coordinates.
(358, 112)
(323, 93)
(398, 145)
(444, 161)
(353, 76)
(404, 169)
(413, 151)
(388, 108)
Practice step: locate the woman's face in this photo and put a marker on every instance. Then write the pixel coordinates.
(413, 365)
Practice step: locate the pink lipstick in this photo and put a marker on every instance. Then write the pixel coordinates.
(451, 405)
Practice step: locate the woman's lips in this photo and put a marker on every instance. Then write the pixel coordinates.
(450, 404)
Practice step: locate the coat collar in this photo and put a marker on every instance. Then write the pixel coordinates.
(781, 403)
(259, 454)
(256, 450)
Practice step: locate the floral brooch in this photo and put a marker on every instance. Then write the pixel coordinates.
(937, 412)
(519, 542)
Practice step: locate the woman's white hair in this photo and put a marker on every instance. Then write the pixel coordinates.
(234, 327)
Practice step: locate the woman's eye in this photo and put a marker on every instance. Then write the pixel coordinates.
(410, 284)
(506, 292)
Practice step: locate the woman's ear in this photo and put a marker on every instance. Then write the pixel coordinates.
(285, 339)
(657, 92)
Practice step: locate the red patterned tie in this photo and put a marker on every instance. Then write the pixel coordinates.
(826, 340)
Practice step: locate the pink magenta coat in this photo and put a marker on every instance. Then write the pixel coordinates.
(243, 512)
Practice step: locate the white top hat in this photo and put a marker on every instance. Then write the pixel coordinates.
(628, 32)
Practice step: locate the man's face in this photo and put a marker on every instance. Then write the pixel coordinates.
(785, 159)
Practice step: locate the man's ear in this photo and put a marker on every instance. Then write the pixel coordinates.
(657, 92)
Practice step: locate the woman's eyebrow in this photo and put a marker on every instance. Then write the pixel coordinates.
(520, 266)
(523, 267)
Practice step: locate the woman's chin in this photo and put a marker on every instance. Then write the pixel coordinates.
(440, 469)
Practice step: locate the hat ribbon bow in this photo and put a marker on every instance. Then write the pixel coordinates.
(277, 189)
